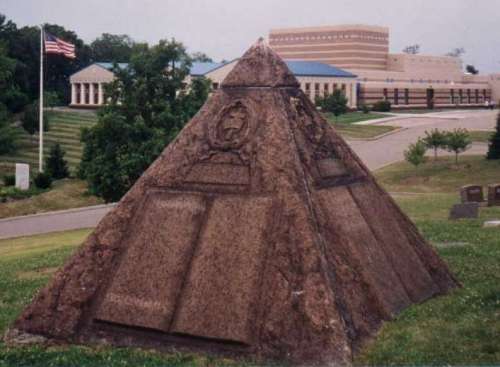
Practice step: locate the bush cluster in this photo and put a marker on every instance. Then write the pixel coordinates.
(381, 106)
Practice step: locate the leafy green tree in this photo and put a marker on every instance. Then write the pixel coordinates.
(112, 48)
(8, 133)
(335, 103)
(148, 105)
(458, 141)
(31, 119)
(56, 165)
(435, 139)
(412, 49)
(415, 154)
(201, 57)
(494, 144)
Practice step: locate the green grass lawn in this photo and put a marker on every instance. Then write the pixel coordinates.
(355, 116)
(65, 194)
(64, 129)
(480, 136)
(461, 328)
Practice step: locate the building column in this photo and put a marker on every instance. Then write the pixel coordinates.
(82, 93)
(354, 94)
(100, 93)
(91, 93)
(73, 93)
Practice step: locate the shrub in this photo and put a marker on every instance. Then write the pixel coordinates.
(365, 108)
(382, 106)
(415, 154)
(458, 141)
(9, 180)
(56, 165)
(494, 145)
(43, 180)
(335, 103)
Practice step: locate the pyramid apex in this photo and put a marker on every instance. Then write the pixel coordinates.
(260, 66)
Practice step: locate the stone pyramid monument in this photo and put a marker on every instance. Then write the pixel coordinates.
(256, 233)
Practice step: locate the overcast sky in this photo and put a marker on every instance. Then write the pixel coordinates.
(225, 28)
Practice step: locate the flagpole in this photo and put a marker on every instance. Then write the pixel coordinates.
(40, 108)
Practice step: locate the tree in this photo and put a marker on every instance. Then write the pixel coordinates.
(412, 49)
(112, 48)
(201, 57)
(435, 139)
(148, 105)
(335, 103)
(8, 134)
(471, 69)
(56, 165)
(458, 141)
(415, 154)
(456, 52)
(494, 144)
(31, 119)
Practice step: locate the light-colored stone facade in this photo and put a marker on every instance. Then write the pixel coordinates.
(87, 86)
(405, 80)
(344, 46)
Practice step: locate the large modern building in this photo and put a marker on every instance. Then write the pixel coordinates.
(315, 78)
(403, 79)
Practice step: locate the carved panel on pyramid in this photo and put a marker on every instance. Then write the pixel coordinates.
(328, 166)
(224, 161)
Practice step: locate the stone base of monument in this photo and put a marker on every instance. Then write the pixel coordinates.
(492, 223)
(464, 211)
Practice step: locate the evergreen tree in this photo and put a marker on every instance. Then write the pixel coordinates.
(494, 145)
(55, 164)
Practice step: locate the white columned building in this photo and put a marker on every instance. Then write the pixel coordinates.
(88, 82)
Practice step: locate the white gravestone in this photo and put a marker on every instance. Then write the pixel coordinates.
(22, 176)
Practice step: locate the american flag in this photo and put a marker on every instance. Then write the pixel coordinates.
(54, 45)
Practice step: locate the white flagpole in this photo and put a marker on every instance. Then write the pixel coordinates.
(40, 108)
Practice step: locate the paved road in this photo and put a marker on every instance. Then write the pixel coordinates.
(389, 149)
(53, 222)
(375, 154)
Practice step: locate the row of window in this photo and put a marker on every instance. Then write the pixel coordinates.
(326, 88)
(454, 99)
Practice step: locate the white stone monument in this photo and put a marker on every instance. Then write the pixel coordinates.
(22, 176)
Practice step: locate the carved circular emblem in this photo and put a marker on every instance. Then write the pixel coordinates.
(231, 128)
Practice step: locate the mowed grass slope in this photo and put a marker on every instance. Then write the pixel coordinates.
(64, 128)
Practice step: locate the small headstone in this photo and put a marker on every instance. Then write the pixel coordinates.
(22, 176)
(492, 223)
(472, 194)
(494, 195)
(465, 210)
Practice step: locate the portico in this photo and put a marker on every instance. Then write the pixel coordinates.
(87, 85)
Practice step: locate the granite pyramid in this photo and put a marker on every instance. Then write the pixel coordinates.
(256, 233)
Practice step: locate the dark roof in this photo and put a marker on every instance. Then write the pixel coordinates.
(201, 68)
(314, 68)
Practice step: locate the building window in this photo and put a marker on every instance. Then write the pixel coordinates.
(316, 89)
(460, 96)
(468, 96)
(343, 88)
(385, 94)
(334, 86)
(407, 96)
(86, 91)
(96, 93)
(477, 95)
(325, 89)
(484, 95)
(215, 86)
(78, 93)
(308, 89)
(452, 96)
(396, 96)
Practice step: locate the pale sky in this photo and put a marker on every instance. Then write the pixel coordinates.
(224, 29)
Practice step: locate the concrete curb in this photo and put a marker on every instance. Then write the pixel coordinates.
(395, 131)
